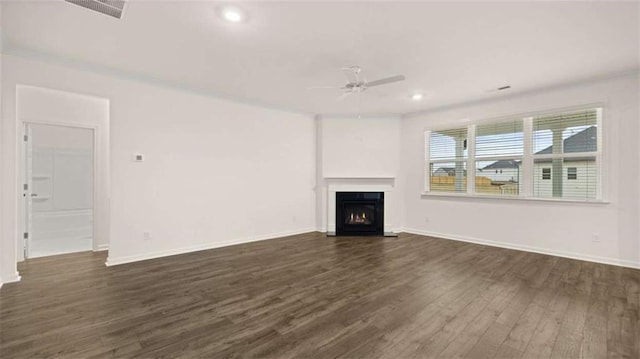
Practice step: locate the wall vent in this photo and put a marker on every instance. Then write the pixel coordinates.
(108, 7)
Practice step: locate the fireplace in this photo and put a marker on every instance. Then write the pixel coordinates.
(359, 213)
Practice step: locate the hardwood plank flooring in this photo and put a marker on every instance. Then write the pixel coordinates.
(310, 296)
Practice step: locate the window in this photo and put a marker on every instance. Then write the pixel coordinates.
(499, 146)
(563, 141)
(537, 157)
(448, 155)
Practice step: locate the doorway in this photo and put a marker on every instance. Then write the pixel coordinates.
(58, 193)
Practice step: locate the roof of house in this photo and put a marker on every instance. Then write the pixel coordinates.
(447, 169)
(502, 164)
(583, 141)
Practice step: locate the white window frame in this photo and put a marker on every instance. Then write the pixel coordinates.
(428, 161)
(526, 187)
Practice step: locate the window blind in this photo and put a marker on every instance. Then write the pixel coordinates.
(555, 155)
(500, 139)
(573, 132)
(448, 144)
(448, 151)
(499, 149)
(565, 155)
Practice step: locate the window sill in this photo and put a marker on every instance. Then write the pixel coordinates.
(511, 198)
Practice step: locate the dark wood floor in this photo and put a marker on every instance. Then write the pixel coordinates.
(313, 296)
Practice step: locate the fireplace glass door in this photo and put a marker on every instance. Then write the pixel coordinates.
(359, 214)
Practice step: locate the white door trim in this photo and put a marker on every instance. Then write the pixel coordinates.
(49, 112)
(27, 173)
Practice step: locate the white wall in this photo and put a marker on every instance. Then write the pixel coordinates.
(359, 154)
(360, 147)
(216, 172)
(5, 265)
(557, 228)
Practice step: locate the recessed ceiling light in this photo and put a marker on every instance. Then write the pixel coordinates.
(416, 97)
(232, 14)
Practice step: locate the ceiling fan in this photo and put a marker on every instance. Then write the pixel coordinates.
(356, 83)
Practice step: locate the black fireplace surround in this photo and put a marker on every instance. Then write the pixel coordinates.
(359, 213)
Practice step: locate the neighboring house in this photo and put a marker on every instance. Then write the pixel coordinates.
(444, 172)
(502, 171)
(579, 175)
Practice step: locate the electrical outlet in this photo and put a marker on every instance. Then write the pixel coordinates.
(595, 238)
(146, 236)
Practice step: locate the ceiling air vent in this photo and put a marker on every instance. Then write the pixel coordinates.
(496, 89)
(108, 7)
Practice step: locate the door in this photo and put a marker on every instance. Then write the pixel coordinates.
(27, 188)
(58, 189)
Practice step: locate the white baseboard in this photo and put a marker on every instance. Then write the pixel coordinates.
(158, 254)
(102, 247)
(10, 279)
(572, 255)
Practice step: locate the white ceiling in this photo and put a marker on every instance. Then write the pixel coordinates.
(452, 52)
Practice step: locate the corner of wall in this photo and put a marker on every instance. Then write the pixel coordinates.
(401, 178)
(319, 185)
(2, 239)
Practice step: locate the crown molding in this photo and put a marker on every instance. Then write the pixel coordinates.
(635, 72)
(28, 54)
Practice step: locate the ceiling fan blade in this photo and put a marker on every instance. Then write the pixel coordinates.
(325, 87)
(343, 96)
(385, 81)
